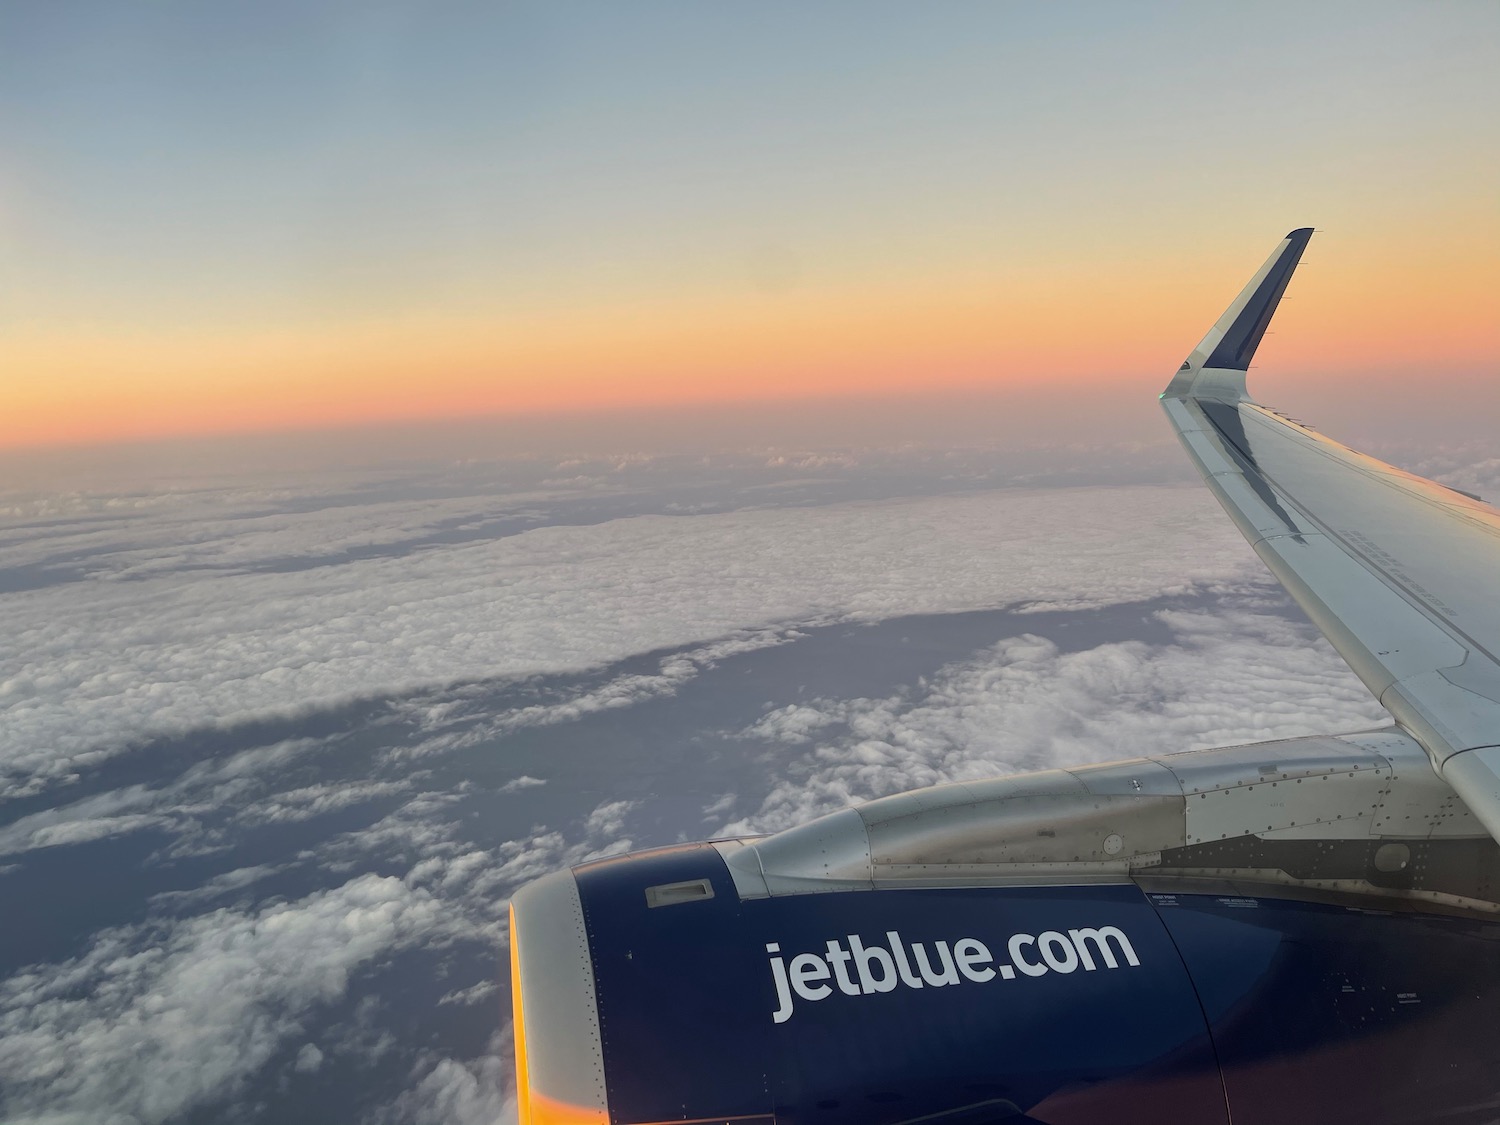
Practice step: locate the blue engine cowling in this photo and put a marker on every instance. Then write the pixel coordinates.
(648, 990)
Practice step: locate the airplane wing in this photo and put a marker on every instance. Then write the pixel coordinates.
(1401, 574)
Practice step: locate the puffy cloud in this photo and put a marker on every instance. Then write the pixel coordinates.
(154, 1020)
(525, 781)
(178, 1013)
(224, 884)
(176, 805)
(461, 1092)
(89, 669)
(719, 806)
(317, 800)
(309, 1059)
(475, 994)
(93, 818)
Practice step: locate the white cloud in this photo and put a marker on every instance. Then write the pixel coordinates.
(525, 781)
(227, 883)
(475, 994)
(175, 807)
(293, 805)
(720, 806)
(152, 1021)
(179, 1013)
(87, 669)
(93, 818)
(468, 707)
(461, 1092)
(115, 537)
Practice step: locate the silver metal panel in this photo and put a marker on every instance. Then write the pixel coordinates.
(1057, 874)
(1475, 776)
(1112, 821)
(1051, 817)
(564, 1053)
(1280, 787)
(1201, 771)
(1138, 775)
(830, 853)
(743, 861)
(1331, 805)
(1417, 803)
(1047, 828)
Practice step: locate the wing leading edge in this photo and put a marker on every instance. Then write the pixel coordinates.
(1401, 574)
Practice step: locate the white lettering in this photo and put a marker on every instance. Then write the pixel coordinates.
(1045, 943)
(810, 967)
(908, 977)
(970, 954)
(1101, 938)
(862, 959)
(949, 975)
(1029, 968)
(838, 957)
(917, 964)
(783, 997)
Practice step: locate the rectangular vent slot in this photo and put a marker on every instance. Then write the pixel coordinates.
(670, 894)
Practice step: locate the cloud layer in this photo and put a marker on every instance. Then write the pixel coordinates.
(88, 669)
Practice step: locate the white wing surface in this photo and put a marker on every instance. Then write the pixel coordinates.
(1401, 574)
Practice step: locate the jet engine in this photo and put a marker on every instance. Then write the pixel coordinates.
(1305, 931)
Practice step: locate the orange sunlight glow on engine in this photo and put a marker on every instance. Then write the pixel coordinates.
(518, 1029)
(532, 1106)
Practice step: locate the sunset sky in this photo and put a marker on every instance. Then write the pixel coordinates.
(290, 215)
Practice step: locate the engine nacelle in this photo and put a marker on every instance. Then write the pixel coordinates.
(1282, 930)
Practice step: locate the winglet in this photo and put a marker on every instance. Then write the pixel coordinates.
(1216, 369)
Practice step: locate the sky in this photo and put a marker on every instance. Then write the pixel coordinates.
(241, 219)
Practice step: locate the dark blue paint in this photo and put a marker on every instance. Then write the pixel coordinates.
(1238, 346)
(686, 997)
(1298, 1013)
(1325, 1014)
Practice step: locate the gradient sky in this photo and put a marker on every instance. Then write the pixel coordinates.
(236, 217)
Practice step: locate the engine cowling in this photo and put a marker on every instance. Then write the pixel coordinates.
(1274, 930)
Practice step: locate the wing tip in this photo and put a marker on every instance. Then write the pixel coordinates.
(1228, 348)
